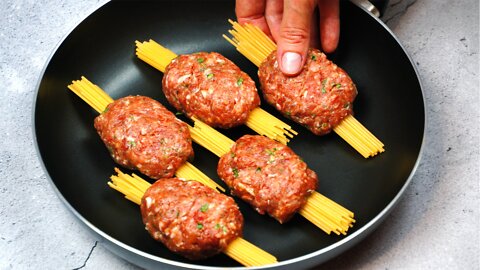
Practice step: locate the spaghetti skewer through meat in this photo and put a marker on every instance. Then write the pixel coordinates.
(323, 90)
(133, 187)
(190, 85)
(99, 101)
(323, 212)
(318, 209)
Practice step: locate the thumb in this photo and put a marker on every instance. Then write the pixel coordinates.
(294, 36)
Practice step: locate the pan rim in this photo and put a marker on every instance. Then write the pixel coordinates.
(361, 233)
(312, 257)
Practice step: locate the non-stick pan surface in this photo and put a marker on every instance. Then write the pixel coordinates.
(389, 103)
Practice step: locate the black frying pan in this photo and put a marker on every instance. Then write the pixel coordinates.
(390, 104)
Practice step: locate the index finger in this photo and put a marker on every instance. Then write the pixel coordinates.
(252, 12)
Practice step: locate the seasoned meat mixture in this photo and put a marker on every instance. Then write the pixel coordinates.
(268, 175)
(190, 218)
(142, 134)
(211, 88)
(319, 98)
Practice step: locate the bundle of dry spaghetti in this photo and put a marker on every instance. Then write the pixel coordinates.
(256, 46)
(324, 213)
(133, 187)
(98, 100)
(258, 120)
(320, 210)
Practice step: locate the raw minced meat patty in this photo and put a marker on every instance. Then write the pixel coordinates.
(211, 88)
(268, 175)
(142, 134)
(319, 98)
(190, 218)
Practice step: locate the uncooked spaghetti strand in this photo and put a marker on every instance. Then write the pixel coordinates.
(217, 142)
(355, 131)
(104, 96)
(210, 138)
(91, 94)
(246, 253)
(359, 137)
(246, 49)
(75, 88)
(262, 44)
(318, 220)
(159, 57)
(132, 187)
(331, 204)
(268, 43)
(188, 171)
(78, 89)
(95, 93)
(321, 211)
(199, 137)
(256, 46)
(96, 97)
(364, 133)
(261, 37)
(253, 44)
(327, 215)
(268, 125)
(362, 143)
(323, 222)
(352, 140)
(154, 54)
(338, 221)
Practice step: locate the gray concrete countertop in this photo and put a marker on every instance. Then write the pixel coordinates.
(434, 226)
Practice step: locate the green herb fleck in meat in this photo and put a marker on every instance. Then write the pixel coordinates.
(259, 169)
(199, 226)
(323, 86)
(346, 105)
(204, 208)
(218, 227)
(235, 172)
(314, 57)
(324, 125)
(338, 85)
(106, 110)
(200, 60)
(239, 81)
(271, 152)
(132, 143)
(209, 75)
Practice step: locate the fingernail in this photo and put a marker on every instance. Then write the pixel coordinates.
(291, 63)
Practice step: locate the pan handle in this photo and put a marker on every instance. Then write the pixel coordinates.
(368, 6)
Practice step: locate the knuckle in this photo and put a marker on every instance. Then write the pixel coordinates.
(294, 35)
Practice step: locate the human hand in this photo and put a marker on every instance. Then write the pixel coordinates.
(290, 24)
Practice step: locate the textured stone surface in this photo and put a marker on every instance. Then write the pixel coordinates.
(433, 227)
